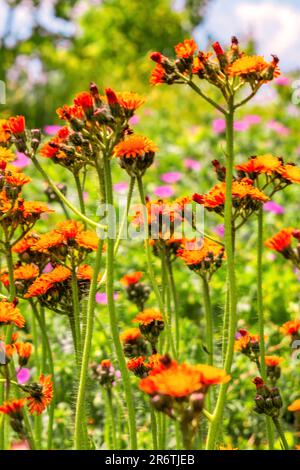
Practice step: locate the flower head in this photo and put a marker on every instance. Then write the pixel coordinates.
(253, 67)
(281, 240)
(16, 124)
(267, 164)
(136, 154)
(291, 327)
(186, 49)
(158, 75)
(295, 406)
(131, 278)
(41, 394)
(10, 314)
(273, 361)
(13, 408)
(290, 172)
(148, 316)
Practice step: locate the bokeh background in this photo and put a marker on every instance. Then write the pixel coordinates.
(50, 50)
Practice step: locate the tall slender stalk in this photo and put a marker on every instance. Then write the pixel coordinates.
(152, 275)
(87, 342)
(231, 281)
(111, 307)
(278, 426)
(80, 193)
(173, 290)
(209, 331)
(261, 322)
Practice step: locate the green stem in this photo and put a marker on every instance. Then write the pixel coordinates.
(231, 280)
(112, 420)
(280, 431)
(209, 332)
(260, 313)
(76, 312)
(79, 192)
(81, 396)
(111, 309)
(64, 199)
(152, 275)
(153, 428)
(41, 321)
(173, 290)
(36, 419)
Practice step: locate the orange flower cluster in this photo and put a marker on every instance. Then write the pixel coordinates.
(10, 314)
(225, 67)
(69, 234)
(40, 394)
(202, 256)
(291, 328)
(181, 380)
(135, 154)
(247, 344)
(282, 242)
(246, 198)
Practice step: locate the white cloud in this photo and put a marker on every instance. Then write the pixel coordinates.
(274, 26)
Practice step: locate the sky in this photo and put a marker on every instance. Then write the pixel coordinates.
(273, 23)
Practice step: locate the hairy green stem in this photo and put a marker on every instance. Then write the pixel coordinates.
(209, 331)
(231, 280)
(280, 431)
(110, 258)
(87, 342)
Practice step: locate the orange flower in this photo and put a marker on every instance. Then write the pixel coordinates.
(136, 363)
(131, 335)
(273, 361)
(4, 131)
(41, 395)
(194, 253)
(6, 154)
(70, 112)
(248, 65)
(48, 241)
(106, 363)
(261, 164)
(17, 179)
(25, 243)
(9, 314)
(186, 49)
(16, 124)
(13, 408)
(131, 278)
(43, 283)
(290, 172)
(84, 100)
(88, 240)
(69, 228)
(240, 190)
(198, 63)
(134, 146)
(24, 273)
(291, 327)
(182, 380)
(244, 341)
(24, 351)
(84, 272)
(130, 101)
(34, 208)
(154, 361)
(295, 406)
(158, 75)
(281, 240)
(148, 316)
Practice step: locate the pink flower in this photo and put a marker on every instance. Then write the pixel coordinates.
(164, 191)
(278, 127)
(219, 126)
(241, 126)
(171, 177)
(192, 164)
(273, 207)
(134, 120)
(101, 297)
(21, 161)
(121, 187)
(23, 375)
(252, 119)
(219, 230)
(282, 81)
(20, 445)
(51, 129)
(48, 268)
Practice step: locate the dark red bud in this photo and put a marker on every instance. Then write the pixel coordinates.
(198, 198)
(217, 48)
(111, 96)
(156, 57)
